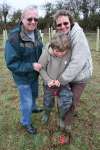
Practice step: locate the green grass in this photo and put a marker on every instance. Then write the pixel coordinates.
(86, 127)
(92, 40)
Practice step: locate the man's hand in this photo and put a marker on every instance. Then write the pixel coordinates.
(37, 66)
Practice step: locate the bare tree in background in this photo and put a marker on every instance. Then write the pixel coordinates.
(16, 16)
(79, 6)
(4, 12)
(49, 8)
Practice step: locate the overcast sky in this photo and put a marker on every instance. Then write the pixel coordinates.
(20, 4)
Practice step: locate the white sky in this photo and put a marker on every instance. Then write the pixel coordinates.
(20, 4)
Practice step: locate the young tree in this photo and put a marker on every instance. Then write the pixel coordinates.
(4, 11)
(49, 7)
(16, 16)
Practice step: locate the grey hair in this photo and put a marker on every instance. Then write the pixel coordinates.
(31, 7)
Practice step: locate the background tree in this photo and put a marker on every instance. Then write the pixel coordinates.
(16, 16)
(73, 6)
(42, 23)
(59, 4)
(86, 7)
(49, 8)
(0, 16)
(4, 11)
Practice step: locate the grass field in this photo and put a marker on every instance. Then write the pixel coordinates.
(86, 127)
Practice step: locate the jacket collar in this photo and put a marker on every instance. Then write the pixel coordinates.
(24, 36)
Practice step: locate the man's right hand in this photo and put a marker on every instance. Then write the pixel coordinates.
(37, 66)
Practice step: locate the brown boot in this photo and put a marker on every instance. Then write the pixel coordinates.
(69, 119)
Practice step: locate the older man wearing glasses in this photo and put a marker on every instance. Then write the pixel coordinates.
(22, 51)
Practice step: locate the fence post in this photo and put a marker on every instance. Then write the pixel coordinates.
(53, 32)
(41, 34)
(5, 36)
(98, 39)
(49, 34)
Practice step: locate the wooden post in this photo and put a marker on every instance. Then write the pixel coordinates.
(41, 34)
(49, 34)
(5, 36)
(53, 32)
(98, 39)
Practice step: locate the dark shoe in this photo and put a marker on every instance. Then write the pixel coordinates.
(30, 129)
(37, 110)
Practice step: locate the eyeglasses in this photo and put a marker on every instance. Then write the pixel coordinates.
(63, 23)
(30, 19)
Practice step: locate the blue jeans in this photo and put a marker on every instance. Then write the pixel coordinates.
(64, 99)
(28, 94)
